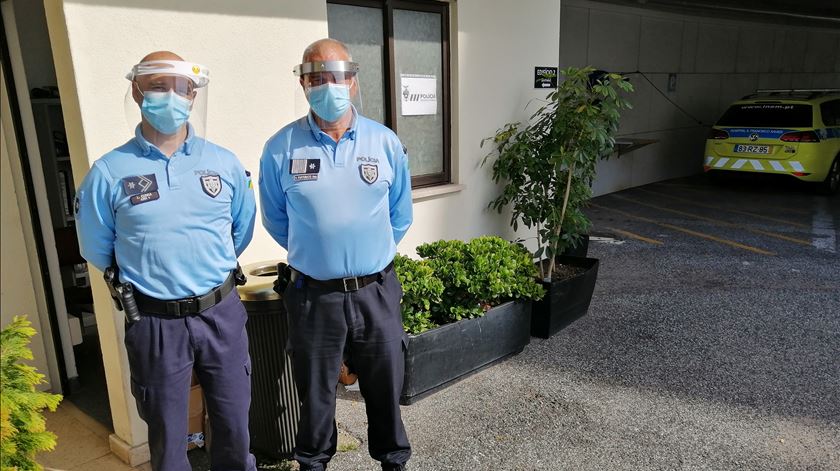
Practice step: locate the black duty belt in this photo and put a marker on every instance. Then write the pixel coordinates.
(185, 306)
(351, 283)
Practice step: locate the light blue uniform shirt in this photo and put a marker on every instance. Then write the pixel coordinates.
(176, 225)
(338, 208)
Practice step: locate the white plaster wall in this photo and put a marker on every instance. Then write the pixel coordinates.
(249, 47)
(716, 62)
(496, 45)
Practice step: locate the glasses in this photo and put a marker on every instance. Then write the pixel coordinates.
(182, 86)
(319, 78)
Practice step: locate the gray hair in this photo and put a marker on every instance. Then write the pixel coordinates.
(310, 50)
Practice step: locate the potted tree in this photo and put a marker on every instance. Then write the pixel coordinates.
(466, 305)
(546, 166)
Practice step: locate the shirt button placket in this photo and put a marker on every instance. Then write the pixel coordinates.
(171, 166)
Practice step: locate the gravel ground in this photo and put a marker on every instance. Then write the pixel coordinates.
(694, 354)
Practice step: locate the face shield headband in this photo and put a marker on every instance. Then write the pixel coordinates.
(346, 67)
(199, 74)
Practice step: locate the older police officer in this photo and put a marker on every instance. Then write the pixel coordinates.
(335, 191)
(172, 211)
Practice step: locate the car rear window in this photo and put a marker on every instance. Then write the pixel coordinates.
(768, 115)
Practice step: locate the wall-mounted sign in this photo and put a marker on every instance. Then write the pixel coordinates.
(418, 94)
(545, 77)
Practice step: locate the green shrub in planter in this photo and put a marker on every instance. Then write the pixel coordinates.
(22, 427)
(421, 290)
(479, 274)
(461, 280)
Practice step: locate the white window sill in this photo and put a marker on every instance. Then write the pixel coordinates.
(422, 194)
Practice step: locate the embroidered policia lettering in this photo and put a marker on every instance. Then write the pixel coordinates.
(305, 169)
(141, 188)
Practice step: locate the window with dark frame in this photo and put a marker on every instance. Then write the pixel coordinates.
(402, 47)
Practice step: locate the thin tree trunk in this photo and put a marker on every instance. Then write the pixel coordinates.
(539, 262)
(562, 217)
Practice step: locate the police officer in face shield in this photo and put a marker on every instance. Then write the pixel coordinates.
(169, 212)
(335, 192)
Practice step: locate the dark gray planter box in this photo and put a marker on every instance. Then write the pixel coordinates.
(581, 250)
(442, 356)
(565, 301)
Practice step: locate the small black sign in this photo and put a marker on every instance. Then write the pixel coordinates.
(545, 77)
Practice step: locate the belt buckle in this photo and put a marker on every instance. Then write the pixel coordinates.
(188, 305)
(355, 284)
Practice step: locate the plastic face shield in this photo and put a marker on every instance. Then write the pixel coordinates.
(168, 94)
(319, 74)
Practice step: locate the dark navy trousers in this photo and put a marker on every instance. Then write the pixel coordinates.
(162, 353)
(366, 325)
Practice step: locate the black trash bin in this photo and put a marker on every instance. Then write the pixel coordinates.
(275, 408)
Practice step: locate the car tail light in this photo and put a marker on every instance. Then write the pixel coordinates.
(718, 134)
(800, 136)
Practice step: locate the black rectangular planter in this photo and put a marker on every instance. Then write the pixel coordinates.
(566, 300)
(582, 249)
(439, 357)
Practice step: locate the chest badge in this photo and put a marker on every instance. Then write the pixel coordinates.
(141, 188)
(305, 170)
(211, 184)
(369, 173)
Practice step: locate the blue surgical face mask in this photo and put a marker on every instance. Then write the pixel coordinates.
(165, 111)
(329, 101)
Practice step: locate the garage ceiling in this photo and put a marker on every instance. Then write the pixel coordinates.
(825, 13)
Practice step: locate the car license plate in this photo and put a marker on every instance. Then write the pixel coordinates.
(750, 149)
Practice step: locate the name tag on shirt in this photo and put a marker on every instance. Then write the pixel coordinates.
(305, 169)
(141, 188)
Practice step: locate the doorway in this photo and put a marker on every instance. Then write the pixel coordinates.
(28, 63)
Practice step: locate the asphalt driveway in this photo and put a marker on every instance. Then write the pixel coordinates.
(712, 342)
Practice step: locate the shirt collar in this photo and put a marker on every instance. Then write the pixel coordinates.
(318, 134)
(147, 146)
